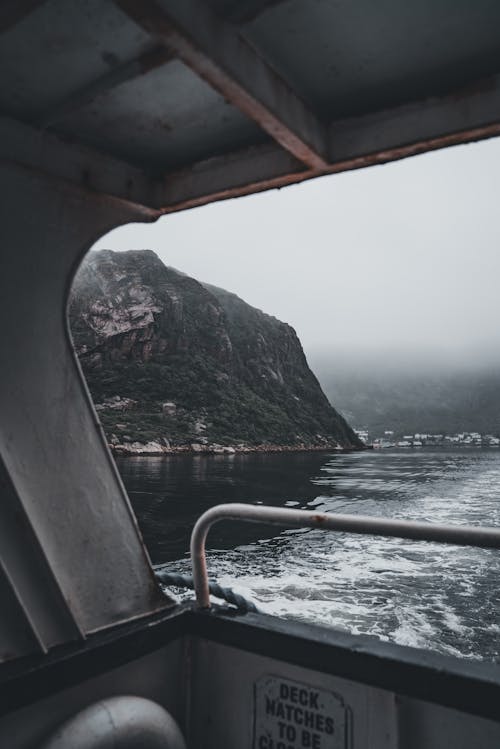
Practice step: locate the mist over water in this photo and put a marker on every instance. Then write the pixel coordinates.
(412, 593)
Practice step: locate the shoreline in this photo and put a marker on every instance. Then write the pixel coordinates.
(155, 449)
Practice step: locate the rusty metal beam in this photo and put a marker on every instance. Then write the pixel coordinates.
(355, 143)
(218, 54)
(13, 12)
(235, 175)
(243, 172)
(466, 114)
(121, 74)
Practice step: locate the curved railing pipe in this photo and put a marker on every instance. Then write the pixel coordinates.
(459, 535)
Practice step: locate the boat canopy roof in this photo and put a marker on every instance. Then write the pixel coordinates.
(176, 103)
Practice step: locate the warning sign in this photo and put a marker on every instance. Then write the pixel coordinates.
(291, 715)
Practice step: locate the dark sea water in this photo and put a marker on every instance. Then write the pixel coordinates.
(413, 593)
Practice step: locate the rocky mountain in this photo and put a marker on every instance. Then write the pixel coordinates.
(178, 365)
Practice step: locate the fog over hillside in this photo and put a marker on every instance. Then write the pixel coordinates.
(426, 391)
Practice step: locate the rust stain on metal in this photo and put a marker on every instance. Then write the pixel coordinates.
(235, 192)
(319, 519)
(359, 162)
(166, 31)
(432, 144)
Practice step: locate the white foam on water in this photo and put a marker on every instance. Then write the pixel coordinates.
(411, 593)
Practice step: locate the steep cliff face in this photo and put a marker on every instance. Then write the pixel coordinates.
(170, 360)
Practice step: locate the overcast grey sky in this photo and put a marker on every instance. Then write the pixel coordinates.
(402, 256)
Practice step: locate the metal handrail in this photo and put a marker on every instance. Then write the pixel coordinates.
(459, 535)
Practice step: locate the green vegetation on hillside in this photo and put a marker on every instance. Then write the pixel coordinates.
(172, 361)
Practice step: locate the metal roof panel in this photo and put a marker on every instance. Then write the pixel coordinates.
(346, 58)
(162, 120)
(59, 47)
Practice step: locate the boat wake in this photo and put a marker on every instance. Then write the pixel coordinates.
(418, 594)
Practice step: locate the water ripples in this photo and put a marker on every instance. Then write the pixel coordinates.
(412, 593)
